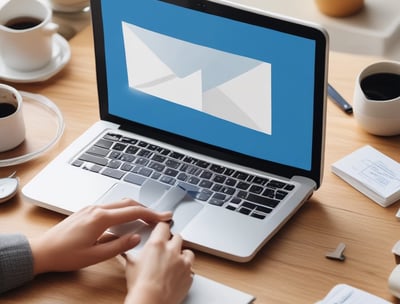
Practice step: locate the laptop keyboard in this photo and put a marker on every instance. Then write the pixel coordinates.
(134, 161)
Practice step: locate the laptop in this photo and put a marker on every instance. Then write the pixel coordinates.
(221, 101)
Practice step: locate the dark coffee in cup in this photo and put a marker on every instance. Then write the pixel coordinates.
(381, 86)
(23, 23)
(6, 109)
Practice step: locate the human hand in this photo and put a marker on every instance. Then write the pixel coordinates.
(73, 243)
(161, 271)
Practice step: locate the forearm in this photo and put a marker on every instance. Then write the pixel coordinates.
(16, 261)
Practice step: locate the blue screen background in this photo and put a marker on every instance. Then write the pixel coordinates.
(291, 58)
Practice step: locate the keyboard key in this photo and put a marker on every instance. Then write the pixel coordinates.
(230, 207)
(219, 179)
(103, 143)
(244, 211)
(206, 174)
(269, 193)
(217, 168)
(172, 163)
(92, 167)
(240, 175)
(202, 164)
(276, 184)
(203, 195)
(98, 151)
(134, 179)
(176, 155)
(243, 185)
(249, 205)
(215, 202)
(260, 180)
(93, 159)
(256, 189)
(228, 172)
(230, 182)
(171, 172)
(168, 180)
(132, 149)
(289, 187)
(127, 158)
(265, 201)
(205, 184)
(113, 173)
(182, 176)
(115, 164)
(264, 209)
(77, 163)
(158, 158)
(228, 190)
(193, 180)
(258, 215)
(126, 167)
(111, 136)
(129, 140)
(235, 201)
(119, 147)
(114, 154)
(144, 153)
(142, 171)
(141, 161)
(157, 166)
(280, 194)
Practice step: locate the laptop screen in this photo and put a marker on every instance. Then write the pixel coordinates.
(217, 76)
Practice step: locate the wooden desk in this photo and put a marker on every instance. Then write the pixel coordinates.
(291, 268)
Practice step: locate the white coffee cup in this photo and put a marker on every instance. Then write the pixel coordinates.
(12, 126)
(26, 34)
(376, 107)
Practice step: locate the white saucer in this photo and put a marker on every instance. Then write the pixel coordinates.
(61, 56)
(76, 7)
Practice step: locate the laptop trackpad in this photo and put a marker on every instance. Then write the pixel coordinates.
(157, 196)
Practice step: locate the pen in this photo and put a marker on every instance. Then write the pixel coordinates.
(339, 100)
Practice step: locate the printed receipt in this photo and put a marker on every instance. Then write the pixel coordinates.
(371, 172)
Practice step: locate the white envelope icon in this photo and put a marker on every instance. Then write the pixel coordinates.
(228, 86)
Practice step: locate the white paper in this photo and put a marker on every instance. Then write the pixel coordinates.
(347, 294)
(206, 291)
(371, 172)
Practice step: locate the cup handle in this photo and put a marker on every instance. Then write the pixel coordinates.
(50, 28)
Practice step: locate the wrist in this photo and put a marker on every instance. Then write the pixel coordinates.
(146, 293)
(39, 265)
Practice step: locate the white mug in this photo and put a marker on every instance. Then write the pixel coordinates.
(12, 126)
(26, 34)
(377, 114)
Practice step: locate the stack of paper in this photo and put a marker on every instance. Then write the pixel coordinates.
(343, 293)
(372, 173)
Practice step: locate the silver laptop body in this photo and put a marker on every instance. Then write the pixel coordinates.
(224, 102)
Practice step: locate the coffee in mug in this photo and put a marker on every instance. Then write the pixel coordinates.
(23, 23)
(12, 126)
(6, 109)
(381, 86)
(376, 102)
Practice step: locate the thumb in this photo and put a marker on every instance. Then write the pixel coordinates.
(117, 246)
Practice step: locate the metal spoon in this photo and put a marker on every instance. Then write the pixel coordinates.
(8, 187)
